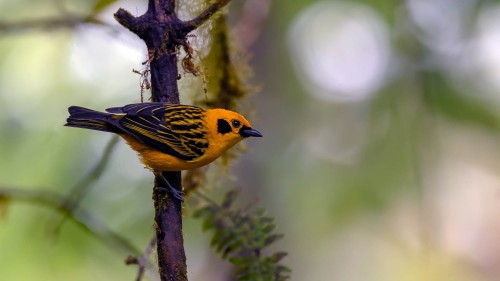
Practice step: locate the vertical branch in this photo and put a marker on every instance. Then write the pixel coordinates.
(157, 28)
(168, 220)
(163, 32)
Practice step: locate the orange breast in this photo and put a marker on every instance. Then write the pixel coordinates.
(160, 161)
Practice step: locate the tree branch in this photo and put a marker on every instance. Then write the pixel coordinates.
(83, 219)
(205, 15)
(142, 260)
(69, 21)
(163, 33)
(72, 199)
(126, 19)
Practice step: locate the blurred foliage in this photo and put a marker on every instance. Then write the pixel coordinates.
(442, 98)
(240, 236)
(101, 5)
(223, 79)
(404, 181)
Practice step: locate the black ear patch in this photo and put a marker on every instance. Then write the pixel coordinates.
(223, 126)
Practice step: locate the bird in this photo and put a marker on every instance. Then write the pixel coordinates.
(168, 137)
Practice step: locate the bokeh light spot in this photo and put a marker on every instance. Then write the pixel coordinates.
(340, 49)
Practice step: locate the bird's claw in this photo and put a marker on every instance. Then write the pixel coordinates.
(177, 194)
(172, 191)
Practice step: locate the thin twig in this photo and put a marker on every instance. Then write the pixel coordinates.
(205, 15)
(74, 197)
(82, 219)
(143, 260)
(70, 21)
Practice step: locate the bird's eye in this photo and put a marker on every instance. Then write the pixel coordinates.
(236, 123)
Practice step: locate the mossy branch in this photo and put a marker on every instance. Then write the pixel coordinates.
(241, 236)
(163, 33)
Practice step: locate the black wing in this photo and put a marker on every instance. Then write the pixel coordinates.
(177, 130)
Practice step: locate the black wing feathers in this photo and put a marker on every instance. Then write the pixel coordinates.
(177, 130)
(186, 129)
(81, 117)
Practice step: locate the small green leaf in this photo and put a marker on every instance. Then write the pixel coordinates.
(207, 224)
(268, 228)
(204, 212)
(240, 261)
(271, 239)
(277, 257)
(251, 276)
(260, 212)
(281, 268)
(216, 237)
(230, 198)
(234, 246)
(266, 220)
(227, 238)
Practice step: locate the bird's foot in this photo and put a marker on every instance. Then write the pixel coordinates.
(170, 189)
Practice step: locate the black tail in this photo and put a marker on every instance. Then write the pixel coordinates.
(81, 117)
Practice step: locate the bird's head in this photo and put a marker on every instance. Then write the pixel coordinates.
(228, 126)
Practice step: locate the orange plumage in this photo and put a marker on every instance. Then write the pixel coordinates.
(169, 137)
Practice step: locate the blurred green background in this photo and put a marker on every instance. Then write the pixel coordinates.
(380, 152)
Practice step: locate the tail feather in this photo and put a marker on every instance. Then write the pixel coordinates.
(81, 117)
(117, 110)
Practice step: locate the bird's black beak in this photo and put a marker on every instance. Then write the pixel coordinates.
(249, 132)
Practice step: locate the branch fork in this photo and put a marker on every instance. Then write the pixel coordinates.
(163, 32)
